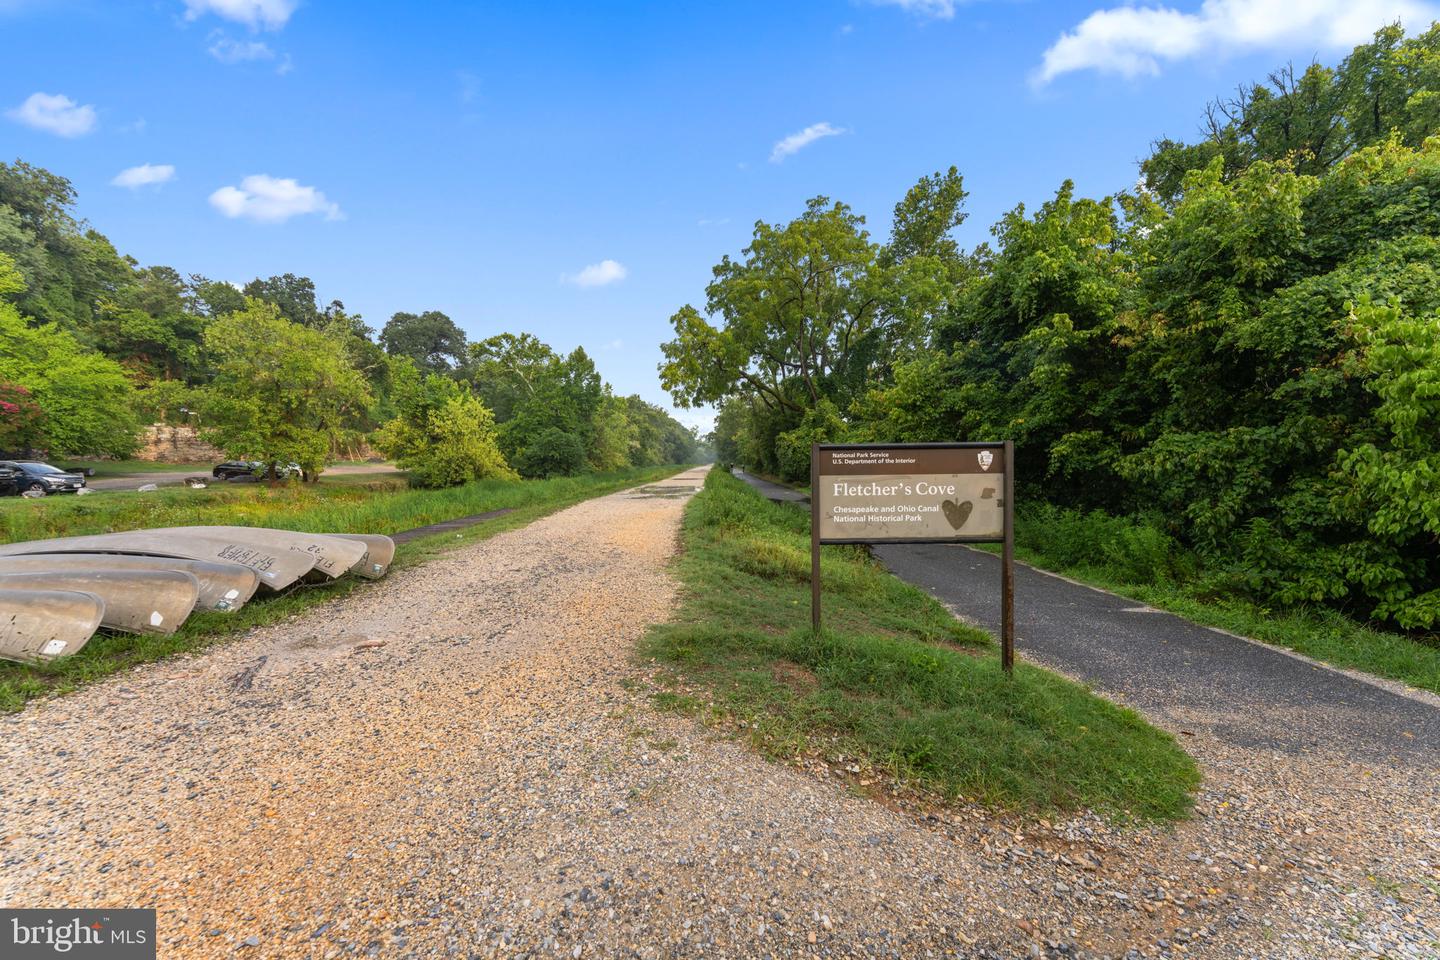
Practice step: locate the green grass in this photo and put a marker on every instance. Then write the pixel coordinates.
(1135, 561)
(120, 468)
(377, 508)
(893, 679)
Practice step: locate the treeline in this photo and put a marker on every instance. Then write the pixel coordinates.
(1241, 355)
(93, 346)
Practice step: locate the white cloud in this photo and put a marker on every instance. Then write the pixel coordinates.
(272, 200)
(226, 50)
(255, 14)
(798, 141)
(936, 9)
(54, 113)
(147, 174)
(599, 274)
(1135, 41)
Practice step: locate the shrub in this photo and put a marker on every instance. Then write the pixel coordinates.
(792, 448)
(453, 444)
(1128, 549)
(554, 453)
(22, 421)
(444, 436)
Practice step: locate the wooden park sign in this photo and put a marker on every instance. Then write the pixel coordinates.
(916, 493)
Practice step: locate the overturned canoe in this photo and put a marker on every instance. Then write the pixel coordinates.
(223, 586)
(40, 625)
(278, 566)
(136, 601)
(334, 557)
(378, 560)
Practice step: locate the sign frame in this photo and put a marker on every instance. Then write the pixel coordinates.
(1006, 538)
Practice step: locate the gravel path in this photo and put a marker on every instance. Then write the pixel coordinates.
(491, 781)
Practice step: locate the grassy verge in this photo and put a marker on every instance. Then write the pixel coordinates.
(1135, 561)
(120, 468)
(893, 680)
(380, 508)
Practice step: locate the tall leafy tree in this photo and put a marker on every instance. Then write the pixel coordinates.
(86, 398)
(431, 339)
(790, 313)
(281, 392)
(292, 295)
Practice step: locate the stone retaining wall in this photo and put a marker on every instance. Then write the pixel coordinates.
(163, 443)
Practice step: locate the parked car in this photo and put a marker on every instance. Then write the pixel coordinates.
(254, 469)
(18, 476)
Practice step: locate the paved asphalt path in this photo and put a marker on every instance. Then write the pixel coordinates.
(1183, 675)
(772, 491)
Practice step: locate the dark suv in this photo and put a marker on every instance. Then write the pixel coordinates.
(17, 476)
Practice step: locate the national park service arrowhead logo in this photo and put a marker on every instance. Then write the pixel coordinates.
(986, 458)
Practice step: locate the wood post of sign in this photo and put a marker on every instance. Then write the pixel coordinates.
(916, 493)
(1007, 565)
(815, 537)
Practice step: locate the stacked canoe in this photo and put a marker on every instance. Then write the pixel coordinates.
(55, 594)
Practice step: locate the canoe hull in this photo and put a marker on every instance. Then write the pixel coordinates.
(37, 626)
(223, 586)
(376, 562)
(278, 567)
(136, 601)
(334, 556)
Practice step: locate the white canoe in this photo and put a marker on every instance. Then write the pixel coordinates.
(40, 625)
(136, 601)
(277, 565)
(378, 560)
(223, 586)
(334, 556)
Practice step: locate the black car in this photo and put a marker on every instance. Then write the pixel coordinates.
(232, 469)
(18, 476)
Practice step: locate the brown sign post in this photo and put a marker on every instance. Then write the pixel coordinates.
(916, 493)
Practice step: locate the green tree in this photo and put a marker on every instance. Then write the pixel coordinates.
(87, 400)
(1396, 477)
(507, 370)
(792, 310)
(614, 437)
(1314, 120)
(431, 339)
(552, 453)
(281, 392)
(566, 395)
(213, 298)
(294, 297)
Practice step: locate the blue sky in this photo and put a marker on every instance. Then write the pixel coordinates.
(477, 158)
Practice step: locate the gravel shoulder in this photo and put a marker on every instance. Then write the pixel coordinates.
(461, 761)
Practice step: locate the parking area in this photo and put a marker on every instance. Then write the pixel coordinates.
(133, 481)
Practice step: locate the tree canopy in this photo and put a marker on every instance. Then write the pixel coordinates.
(280, 392)
(1239, 352)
